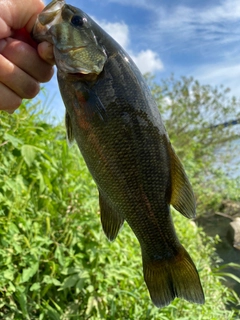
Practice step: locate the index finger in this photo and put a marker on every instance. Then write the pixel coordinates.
(15, 14)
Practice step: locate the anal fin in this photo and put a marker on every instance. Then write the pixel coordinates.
(182, 196)
(110, 218)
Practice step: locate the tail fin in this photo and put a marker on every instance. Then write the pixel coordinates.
(172, 278)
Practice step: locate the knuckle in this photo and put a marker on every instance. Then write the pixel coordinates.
(31, 90)
(46, 76)
(14, 103)
(10, 100)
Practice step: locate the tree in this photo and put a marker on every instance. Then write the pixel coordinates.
(196, 118)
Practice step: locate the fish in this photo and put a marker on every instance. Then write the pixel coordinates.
(113, 117)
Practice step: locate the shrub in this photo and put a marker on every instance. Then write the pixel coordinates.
(55, 262)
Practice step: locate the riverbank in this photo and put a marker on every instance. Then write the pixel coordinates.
(225, 225)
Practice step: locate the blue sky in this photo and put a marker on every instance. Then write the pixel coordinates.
(184, 37)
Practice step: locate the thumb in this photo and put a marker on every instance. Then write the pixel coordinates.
(45, 51)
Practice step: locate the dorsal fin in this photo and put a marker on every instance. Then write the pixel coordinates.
(182, 196)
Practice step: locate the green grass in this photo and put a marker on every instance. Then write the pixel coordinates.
(55, 261)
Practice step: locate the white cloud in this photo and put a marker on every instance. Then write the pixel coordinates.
(214, 74)
(213, 22)
(212, 33)
(118, 30)
(227, 10)
(135, 3)
(147, 61)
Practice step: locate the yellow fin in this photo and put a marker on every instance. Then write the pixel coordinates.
(111, 219)
(176, 277)
(182, 196)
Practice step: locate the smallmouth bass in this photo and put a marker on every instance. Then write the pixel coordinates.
(115, 121)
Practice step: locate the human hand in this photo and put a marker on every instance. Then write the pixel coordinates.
(23, 63)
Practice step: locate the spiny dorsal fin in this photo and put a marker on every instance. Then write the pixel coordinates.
(69, 128)
(182, 196)
(111, 220)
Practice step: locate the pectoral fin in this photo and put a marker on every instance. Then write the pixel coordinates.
(110, 218)
(69, 129)
(90, 102)
(182, 197)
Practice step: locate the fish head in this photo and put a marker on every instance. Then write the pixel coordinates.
(69, 29)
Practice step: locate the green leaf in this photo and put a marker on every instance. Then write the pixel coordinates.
(35, 287)
(28, 154)
(22, 300)
(227, 274)
(13, 229)
(90, 305)
(50, 280)
(41, 182)
(29, 272)
(13, 139)
(52, 314)
(8, 274)
(80, 284)
(70, 281)
(230, 264)
(59, 255)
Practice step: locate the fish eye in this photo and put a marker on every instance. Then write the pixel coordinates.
(77, 21)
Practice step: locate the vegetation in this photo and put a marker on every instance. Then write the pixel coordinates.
(55, 262)
(195, 117)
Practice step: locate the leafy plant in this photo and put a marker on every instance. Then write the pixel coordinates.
(55, 262)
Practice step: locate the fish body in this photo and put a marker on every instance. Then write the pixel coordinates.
(115, 120)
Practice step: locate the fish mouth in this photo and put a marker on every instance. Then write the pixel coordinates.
(50, 15)
(70, 50)
(69, 69)
(52, 9)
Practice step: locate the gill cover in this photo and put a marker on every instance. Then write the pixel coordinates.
(76, 48)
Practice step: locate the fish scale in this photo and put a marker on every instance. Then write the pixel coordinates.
(115, 121)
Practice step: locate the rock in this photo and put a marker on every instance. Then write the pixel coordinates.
(227, 227)
(234, 233)
(231, 208)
